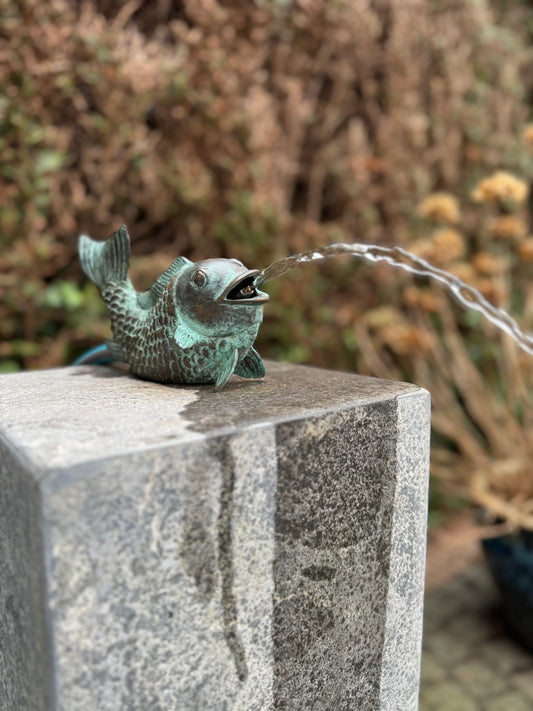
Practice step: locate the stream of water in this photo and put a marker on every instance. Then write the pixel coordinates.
(464, 294)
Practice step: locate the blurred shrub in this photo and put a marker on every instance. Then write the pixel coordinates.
(481, 384)
(224, 128)
(257, 129)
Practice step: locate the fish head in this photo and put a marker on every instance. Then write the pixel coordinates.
(219, 295)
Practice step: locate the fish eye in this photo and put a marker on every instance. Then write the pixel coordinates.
(199, 277)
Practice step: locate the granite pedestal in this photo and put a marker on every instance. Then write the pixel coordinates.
(169, 548)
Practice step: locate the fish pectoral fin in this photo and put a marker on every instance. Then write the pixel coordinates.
(251, 366)
(185, 337)
(227, 371)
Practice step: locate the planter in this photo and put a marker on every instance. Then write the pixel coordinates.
(510, 559)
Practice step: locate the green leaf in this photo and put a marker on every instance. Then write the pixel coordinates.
(7, 365)
(63, 294)
(49, 161)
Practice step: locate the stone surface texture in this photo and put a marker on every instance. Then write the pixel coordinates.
(168, 547)
(25, 672)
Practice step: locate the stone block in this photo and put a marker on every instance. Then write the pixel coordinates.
(173, 548)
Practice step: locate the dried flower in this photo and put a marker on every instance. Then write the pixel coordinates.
(422, 248)
(487, 263)
(411, 296)
(501, 187)
(440, 207)
(525, 249)
(444, 246)
(507, 227)
(425, 299)
(463, 271)
(382, 316)
(448, 245)
(527, 134)
(405, 339)
(493, 291)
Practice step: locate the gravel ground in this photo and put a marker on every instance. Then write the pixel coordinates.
(468, 663)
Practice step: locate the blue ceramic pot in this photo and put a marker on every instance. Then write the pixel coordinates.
(511, 561)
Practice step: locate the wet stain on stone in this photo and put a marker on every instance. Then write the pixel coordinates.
(319, 572)
(225, 562)
(13, 611)
(198, 547)
(199, 556)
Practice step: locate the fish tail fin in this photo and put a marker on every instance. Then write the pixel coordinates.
(106, 262)
(107, 352)
(98, 355)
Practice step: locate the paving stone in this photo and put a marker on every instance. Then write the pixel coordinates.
(447, 648)
(431, 670)
(523, 683)
(447, 696)
(511, 701)
(480, 585)
(433, 609)
(484, 669)
(443, 607)
(480, 679)
(505, 655)
(471, 627)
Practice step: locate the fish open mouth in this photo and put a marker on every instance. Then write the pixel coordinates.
(242, 290)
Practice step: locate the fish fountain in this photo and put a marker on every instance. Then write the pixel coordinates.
(198, 321)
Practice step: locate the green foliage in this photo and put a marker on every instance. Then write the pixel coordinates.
(63, 294)
(236, 132)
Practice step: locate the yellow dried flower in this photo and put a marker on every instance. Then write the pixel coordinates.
(492, 290)
(463, 271)
(422, 248)
(525, 249)
(429, 301)
(444, 246)
(382, 316)
(426, 299)
(486, 263)
(405, 340)
(527, 134)
(448, 245)
(508, 227)
(411, 296)
(501, 187)
(440, 207)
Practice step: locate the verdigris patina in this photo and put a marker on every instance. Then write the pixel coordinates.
(196, 324)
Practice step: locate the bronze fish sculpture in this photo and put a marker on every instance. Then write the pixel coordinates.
(196, 324)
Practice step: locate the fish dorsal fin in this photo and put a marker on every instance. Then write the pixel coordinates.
(149, 298)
